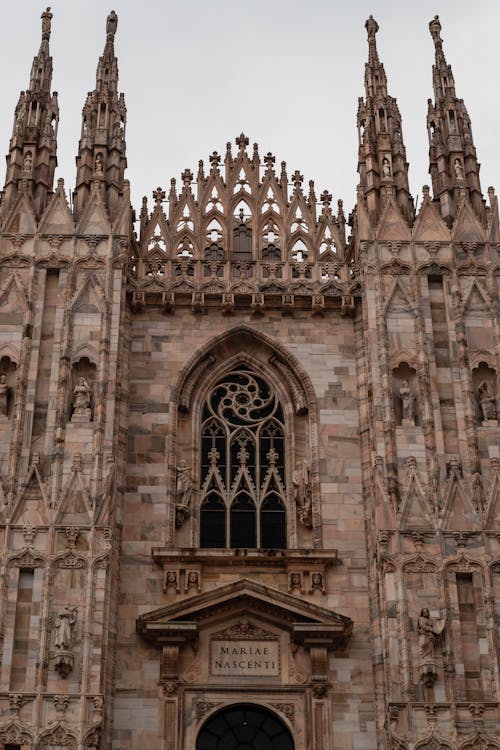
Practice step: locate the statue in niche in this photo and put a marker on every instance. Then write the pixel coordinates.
(429, 633)
(99, 164)
(486, 401)
(183, 492)
(81, 401)
(28, 162)
(4, 395)
(301, 479)
(64, 625)
(407, 403)
(459, 170)
(64, 639)
(386, 167)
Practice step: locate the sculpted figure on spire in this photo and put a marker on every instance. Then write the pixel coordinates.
(111, 25)
(46, 24)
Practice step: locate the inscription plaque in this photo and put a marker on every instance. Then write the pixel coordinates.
(245, 658)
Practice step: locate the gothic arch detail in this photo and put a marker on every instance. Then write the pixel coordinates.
(243, 358)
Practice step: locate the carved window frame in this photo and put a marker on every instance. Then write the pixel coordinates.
(243, 458)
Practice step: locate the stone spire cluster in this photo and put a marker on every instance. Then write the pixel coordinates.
(453, 164)
(101, 159)
(32, 160)
(382, 164)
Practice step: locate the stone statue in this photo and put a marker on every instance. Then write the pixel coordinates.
(4, 395)
(183, 492)
(46, 23)
(429, 633)
(407, 403)
(111, 24)
(459, 170)
(65, 625)
(81, 401)
(28, 161)
(486, 401)
(98, 164)
(386, 167)
(301, 479)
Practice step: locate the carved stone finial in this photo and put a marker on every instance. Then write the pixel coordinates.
(214, 159)
(297, 178)
(158, 195)
(187, 177)
(325, 198)
(242, 141)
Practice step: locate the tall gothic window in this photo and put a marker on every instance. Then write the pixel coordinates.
(242, 465)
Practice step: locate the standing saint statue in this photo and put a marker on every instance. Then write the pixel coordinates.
(486, 401)
(81, 399)
(4, 395)
(429, 633)
(407, 403)
(65, 625)
(301, 479)
(183, 492)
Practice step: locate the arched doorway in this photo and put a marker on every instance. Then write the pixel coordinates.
(244, 727)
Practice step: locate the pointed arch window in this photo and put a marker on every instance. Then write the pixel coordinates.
(243, 495)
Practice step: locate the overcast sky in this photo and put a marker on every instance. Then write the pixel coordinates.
(195, 73)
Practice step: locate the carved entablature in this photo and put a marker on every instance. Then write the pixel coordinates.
(235, 234)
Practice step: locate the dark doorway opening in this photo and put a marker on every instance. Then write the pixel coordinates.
(244, 727)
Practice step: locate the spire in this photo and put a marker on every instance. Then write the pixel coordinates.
(32, 160)
(101, 152)
(382, 165)
(453, 163)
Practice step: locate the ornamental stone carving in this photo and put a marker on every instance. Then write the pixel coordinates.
(64, 637)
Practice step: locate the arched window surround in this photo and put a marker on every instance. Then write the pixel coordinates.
(244, 346)
(238, 361)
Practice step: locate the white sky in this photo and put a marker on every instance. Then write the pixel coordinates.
(195, 73)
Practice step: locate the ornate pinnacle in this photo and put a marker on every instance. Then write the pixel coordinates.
(46, 24)
(297, 178)
(325, 198)
(242, 141)
(111, 26)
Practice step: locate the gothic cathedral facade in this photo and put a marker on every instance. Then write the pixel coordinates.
(249, 454)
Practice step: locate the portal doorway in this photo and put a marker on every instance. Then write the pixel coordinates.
(244, 727)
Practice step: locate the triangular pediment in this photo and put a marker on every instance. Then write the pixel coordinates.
(57, 218)
(95, 218)
(242, 597)
(429, 225)
(21, 217)
(467, 227)
(392, 225)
